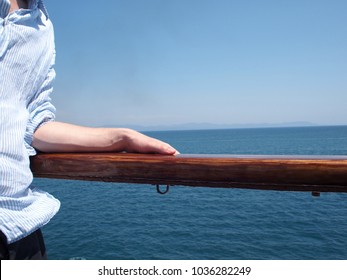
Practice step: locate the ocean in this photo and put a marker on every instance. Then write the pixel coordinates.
(111, 221)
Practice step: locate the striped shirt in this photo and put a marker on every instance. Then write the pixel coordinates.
(27, 56)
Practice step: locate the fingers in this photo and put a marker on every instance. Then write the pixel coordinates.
(140, 143)
(169, 150)
(159, 147)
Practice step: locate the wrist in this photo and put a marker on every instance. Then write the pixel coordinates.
(120, 139)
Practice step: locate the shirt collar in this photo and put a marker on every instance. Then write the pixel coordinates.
(32, 4)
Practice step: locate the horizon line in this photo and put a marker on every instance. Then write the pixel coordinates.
(211, 126)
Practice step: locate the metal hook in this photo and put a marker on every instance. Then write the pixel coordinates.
(163, 192)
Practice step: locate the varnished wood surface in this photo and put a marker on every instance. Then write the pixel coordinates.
(290, 173)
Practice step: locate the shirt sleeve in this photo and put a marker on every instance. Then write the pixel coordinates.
(40, 109)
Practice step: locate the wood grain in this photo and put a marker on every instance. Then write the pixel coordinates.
(286, 173)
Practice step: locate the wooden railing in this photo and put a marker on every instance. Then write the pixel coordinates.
(286, 173)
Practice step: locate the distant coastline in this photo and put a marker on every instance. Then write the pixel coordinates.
(208, 126)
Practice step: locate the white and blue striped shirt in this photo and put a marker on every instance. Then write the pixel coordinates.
(27, 56)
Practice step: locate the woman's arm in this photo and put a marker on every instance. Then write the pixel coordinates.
(63, 137)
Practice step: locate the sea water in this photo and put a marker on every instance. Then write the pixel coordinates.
(130, 221)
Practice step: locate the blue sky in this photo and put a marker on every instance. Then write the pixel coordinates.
(161, 62)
